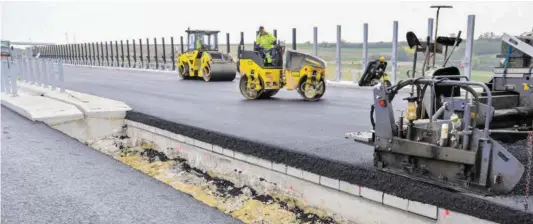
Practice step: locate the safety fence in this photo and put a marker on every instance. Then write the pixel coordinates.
(133, 53)
(45, 72)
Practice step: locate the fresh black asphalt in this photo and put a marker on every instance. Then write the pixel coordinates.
(286, 120)
(48, 177)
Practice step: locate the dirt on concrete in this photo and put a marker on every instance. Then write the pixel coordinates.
(242, 202)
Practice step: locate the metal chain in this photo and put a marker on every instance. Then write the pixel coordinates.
(528, 177)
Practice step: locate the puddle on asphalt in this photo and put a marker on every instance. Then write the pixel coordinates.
(242, 203)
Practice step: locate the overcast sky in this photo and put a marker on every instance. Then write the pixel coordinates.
(92, 21)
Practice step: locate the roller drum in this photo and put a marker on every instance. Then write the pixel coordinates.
(223, 71)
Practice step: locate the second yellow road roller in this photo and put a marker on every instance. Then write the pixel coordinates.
(289, 69)
(202, 59)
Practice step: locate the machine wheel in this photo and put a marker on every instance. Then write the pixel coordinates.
(314, 93)
(184, 71)
(248, 93)
(207, 74)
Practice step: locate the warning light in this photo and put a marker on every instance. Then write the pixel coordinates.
(305, 69)
(382, 102)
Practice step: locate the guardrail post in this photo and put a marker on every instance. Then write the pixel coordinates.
(315, 41)
(394, 52)
(53, 77)
(103, 55)
(110, 63)
(227, 43)
(155, 56)
(128, 55)
(4, 75)
(182, 49)
(44, 76)
(14, 75)
(469, 45)
(364, 60)
(294, 38)
(134, 54)
(98, 55)
(86, 46)
(61, 77)
(31, 70)
(338, 53)
(173, 53)
(164, 63)
(141, 51)
(147, 53)
(122, 53)
(94, 54)
(430, 28)
(116, 53)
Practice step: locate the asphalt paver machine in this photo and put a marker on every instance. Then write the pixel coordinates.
(451, 132)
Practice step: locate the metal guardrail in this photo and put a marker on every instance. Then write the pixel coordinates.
(46, 72)
(160, 65)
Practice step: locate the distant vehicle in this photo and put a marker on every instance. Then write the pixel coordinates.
(6, 49)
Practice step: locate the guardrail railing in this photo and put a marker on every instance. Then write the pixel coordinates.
(45, 72)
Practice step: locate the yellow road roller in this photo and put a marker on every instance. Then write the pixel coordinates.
(202, 59)
(289, 69)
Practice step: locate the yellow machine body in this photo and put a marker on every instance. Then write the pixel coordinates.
(301, 72)
(202, 60)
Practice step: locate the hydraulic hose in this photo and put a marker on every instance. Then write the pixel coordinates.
(372, 117)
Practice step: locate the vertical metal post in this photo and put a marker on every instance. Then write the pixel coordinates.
(122, 53)
(276, 34)
(107, 55)
(338, 55)
(116, 53)
(141, 52)
(216, 40)
(315, 41)
(172, 53)
(94, 54)
(227, 43)
(294, 38)
(182, 49)
(430, 28)
(98, 55)
(44, 73)
(86, 53)
(30, 70)
(14, 76)
(394, 51)
(364, 60)
(155, 56)
(61, 77)
(164, 63)
(128, 50)
(134, 54)
(469, 45)
(102, 56)
(148, 53)
(112, 58)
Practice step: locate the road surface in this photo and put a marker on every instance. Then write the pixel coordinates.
(48, 177)
(286, 120)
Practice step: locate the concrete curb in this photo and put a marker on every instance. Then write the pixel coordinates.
(356, 203)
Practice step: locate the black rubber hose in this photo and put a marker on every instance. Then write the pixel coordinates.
(372, 117)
